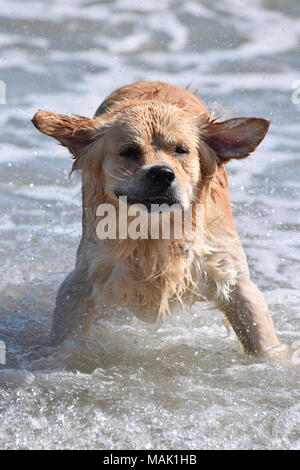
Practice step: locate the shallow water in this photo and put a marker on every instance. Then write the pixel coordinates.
(185, 385)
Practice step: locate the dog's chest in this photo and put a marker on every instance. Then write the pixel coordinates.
(151, 281)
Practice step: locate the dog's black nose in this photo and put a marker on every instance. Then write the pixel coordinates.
(161, 175)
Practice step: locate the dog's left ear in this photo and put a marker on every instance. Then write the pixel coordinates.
(235, 138)
(74, 132)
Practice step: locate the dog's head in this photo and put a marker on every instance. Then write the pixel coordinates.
(152, 152)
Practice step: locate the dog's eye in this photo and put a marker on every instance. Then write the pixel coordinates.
(131, 153)
(180, 150)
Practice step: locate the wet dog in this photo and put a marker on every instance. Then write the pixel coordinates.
(154, 143)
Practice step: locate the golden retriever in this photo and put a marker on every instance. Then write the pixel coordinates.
(154, 143)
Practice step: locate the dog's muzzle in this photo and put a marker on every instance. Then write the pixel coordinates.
(156, 187)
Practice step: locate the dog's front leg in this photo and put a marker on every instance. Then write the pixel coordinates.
(75, 310)
(248, 314)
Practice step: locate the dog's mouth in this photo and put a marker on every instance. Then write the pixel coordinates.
(152, 204)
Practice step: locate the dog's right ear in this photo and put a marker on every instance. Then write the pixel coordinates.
(74, 132)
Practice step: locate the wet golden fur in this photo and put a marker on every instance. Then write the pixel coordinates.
(152, 276)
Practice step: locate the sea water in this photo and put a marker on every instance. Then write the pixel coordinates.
(185, 384)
